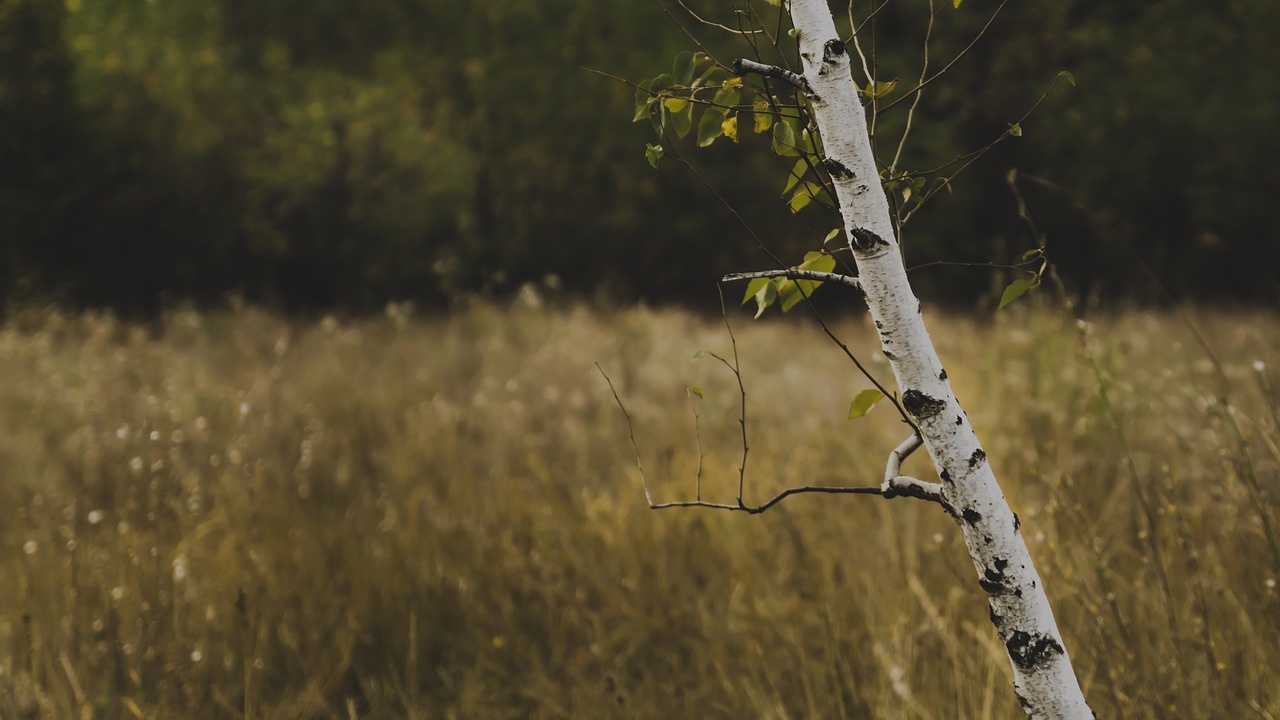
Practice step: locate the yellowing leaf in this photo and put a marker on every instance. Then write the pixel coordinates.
(763, 119)
(732, 82)
(863, 402)
(730, 127)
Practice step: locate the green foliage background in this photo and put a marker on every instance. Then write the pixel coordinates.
(335, 154)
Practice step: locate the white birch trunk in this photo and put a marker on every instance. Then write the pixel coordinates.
(1044, 680)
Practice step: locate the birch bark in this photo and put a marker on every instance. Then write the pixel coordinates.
(1044, 680)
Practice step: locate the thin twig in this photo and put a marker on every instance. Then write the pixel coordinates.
(710, 23)
(631, 431)
(973, 157)
(742, 391)
(955, 59)
(911, 114)
(826, 329)
(697, 437)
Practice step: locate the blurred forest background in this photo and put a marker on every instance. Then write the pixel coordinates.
(329, 154)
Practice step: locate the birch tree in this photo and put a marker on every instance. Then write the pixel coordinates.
(1044, 680)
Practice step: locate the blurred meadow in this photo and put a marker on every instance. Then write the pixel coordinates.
(236, 514)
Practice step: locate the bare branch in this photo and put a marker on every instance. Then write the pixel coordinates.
(742, 66)
(894, 485)
(631, 430)
(710, 23)
(826, 329)
(924, 72)
(796, 274)
(954, 60)
(757, 509)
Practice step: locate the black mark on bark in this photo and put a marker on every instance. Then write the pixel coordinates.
(977, 457)
(837, 169)
(921, 406)
(1029, 650)
(865, 240)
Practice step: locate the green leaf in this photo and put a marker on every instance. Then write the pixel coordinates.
(863, 402)
(653, 153)
(1015, 290)
(879, 89)
(765, 297)
(797, 173)
(791, 292)
(682, 68)
(1068, 77)
(819, 261)
(808, 142)
(1015, 129)
(697, 355)
(1031, 253)
(754, 287)
(643, 100)
(804, 194)
(681, 115)
(696, 391)
(784, 139)
(835, 232)
(710, 126)
(708, 74)
(956, 3)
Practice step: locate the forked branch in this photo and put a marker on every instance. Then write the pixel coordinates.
(894, 485)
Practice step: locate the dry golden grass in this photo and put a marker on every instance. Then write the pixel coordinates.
(238, 515)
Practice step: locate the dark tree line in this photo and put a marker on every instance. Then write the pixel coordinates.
(333, 154)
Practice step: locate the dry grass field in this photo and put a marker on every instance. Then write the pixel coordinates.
(238, 515)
